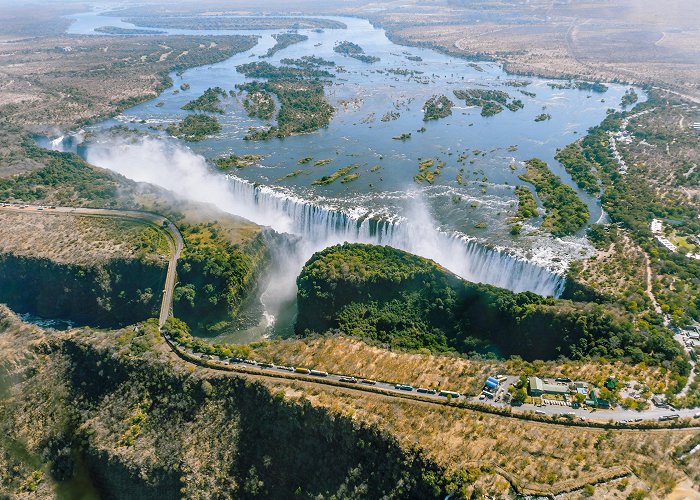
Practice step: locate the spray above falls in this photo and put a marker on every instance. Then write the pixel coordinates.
(187, 174)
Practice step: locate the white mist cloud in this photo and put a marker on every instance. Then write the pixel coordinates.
(181, 171)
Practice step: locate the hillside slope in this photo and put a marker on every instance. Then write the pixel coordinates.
(399, 299)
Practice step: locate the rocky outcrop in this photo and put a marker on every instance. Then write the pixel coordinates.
(107, 294)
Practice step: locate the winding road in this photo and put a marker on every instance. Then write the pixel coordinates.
(622, 418)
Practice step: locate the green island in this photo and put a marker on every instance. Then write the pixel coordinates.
(307, 62)
(350, 178)
(426, 172)
(293, 174)
(209, 101)
(581, 170)
(115, 30)
(195, 128)
(402, 137)
(437, 107)
(259, 104)
(300, 92)
(542, 117)
(390, 297)
(355, 51)
(235, 161)
(527, 206)
(629, 98)
(342, 172)
(566, 213)
(390, 116)
(323, 163)
(597, 87)
(284, 40)
(491, 102)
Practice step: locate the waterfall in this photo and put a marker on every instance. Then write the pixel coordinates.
(316, 227)
(321, 227)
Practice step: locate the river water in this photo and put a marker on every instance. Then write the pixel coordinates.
(462, 225)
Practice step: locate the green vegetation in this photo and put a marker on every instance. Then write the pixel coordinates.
(425, 173)
(386, 295)
(303, 105)
(66, 179)
(402, 137)
(235, 161)
(209, 101)
(112, 293)
(259, 105)
(543, 117)
(284, 40)
(323, 163)
(581, 170)
(629, 98)
(491, 102)
(631, 201)
(115, 30)
(527, 206)
(307, 62)
(390, 116)
(350, 178)
(195, 128)
(355, 51)
(592, 87)
(566, 213)
(437, 107)
(270, 72)
(342, 172)
(293, 174)
(597, 87)
(234, 22)
(214, 276)
(305, 160)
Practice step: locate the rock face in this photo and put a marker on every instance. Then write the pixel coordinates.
(146, 427)
(107, 294)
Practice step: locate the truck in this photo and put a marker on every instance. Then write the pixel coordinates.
(403, 387)
(305, 371)
(452, 394)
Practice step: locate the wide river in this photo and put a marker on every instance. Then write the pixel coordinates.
(461, 221)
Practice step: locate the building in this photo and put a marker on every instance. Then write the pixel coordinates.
(581, 388)
(659, 401)
(538, 387)
(491, 383)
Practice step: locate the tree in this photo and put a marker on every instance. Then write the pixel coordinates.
(520, 395)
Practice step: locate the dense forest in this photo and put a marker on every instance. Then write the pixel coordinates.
(214, 276)
(389, 296)
(566, 213)
(299, 90)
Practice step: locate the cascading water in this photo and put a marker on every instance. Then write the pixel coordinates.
(321, 227)
(314, 227)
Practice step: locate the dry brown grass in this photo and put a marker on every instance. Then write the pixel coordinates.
(538, 456)
(634, 40)
(80, 239)
(354, 357)
(617, 271)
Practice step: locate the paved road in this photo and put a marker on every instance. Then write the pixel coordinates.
(158, 220)
(266, 369)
